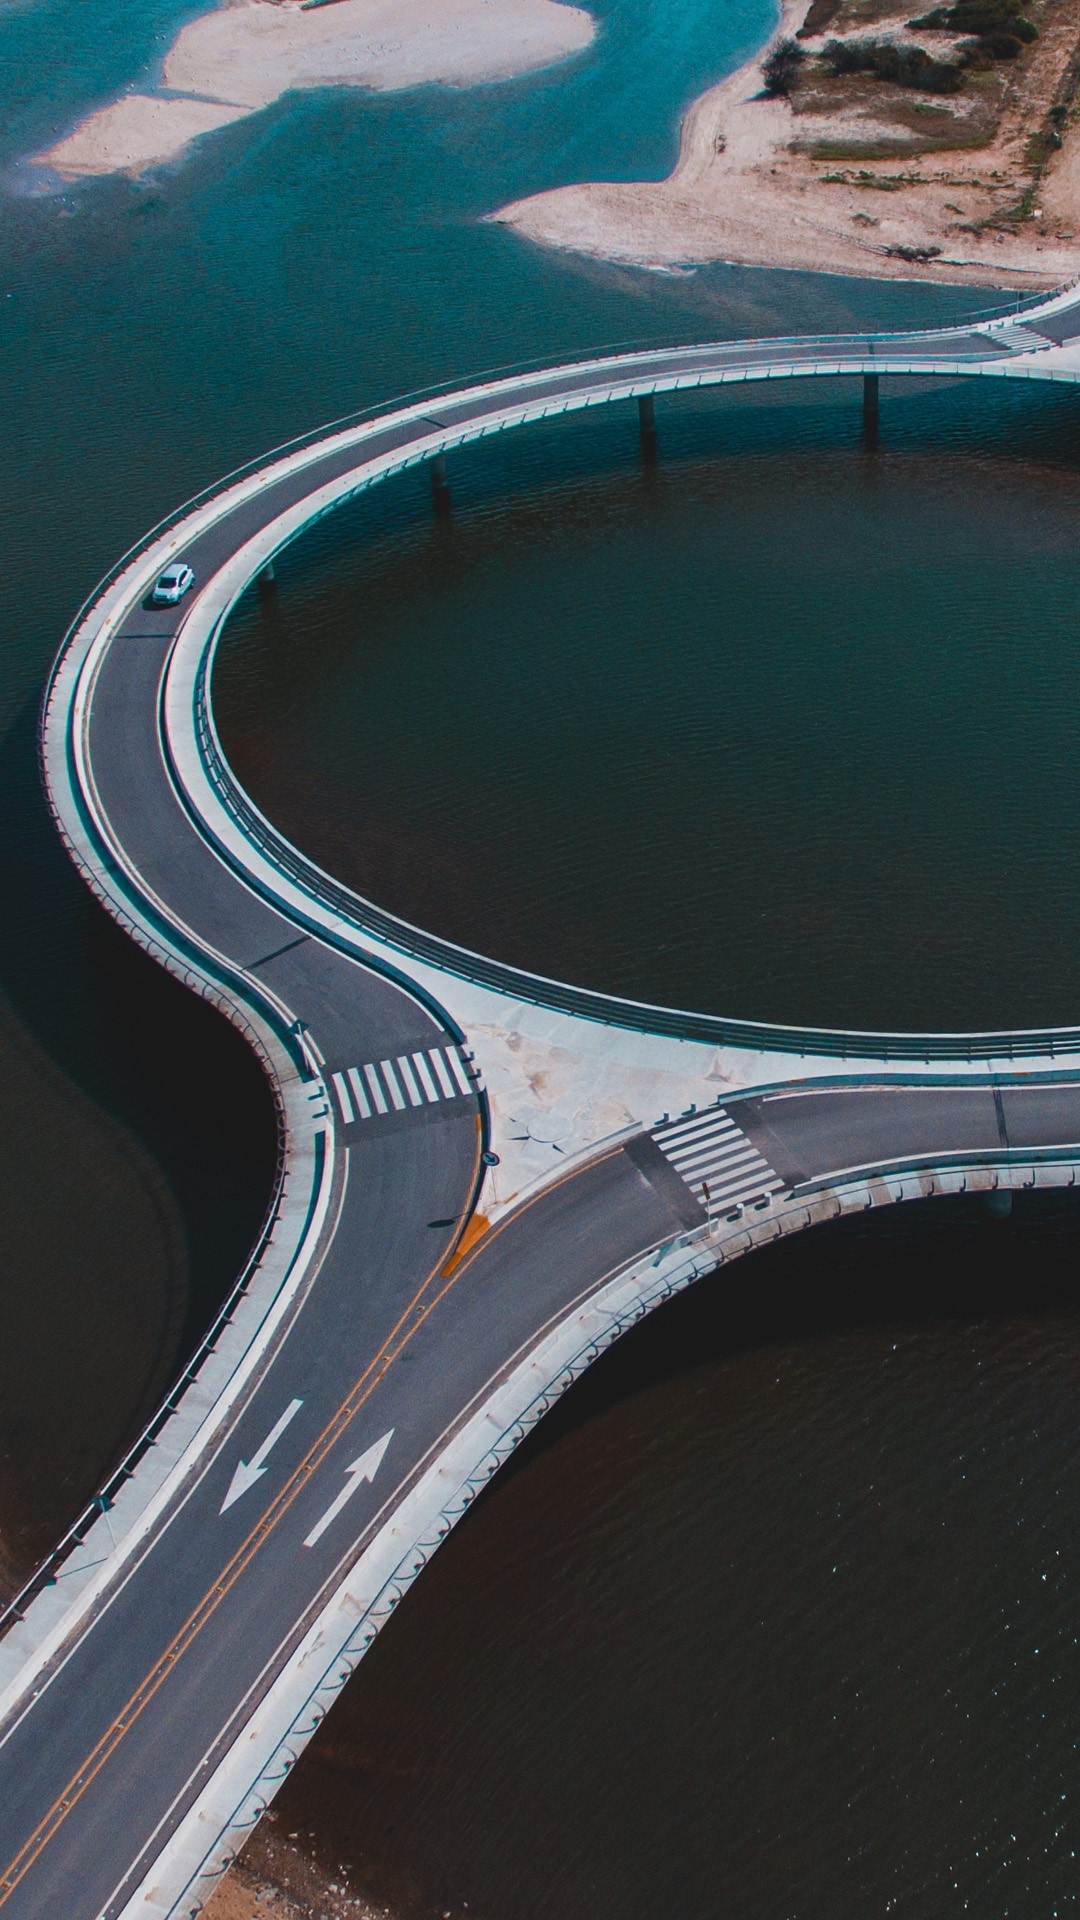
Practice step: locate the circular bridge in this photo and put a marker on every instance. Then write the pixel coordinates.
(404, 1320)
(235, 534)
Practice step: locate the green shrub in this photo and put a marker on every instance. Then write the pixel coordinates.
(780, 70)
(998, 46)
(1001, 26)
(905, 66)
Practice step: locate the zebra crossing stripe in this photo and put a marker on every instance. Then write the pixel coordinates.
(458, 1070)
(731, 1184)
(709, 1157)
(359, 1093)
(345, 1103)
(407, 1075)
(386, 1068)
(716, 1160)
(427, 1077)
(371, 1075)
(439, 1064)
(711, 1125)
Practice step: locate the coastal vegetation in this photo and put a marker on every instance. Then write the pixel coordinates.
(780, 68)
(905, 65)
(781, 164)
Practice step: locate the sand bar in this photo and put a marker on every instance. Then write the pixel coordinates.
(241, 57)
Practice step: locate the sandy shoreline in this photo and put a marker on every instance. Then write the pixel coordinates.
(246, 53)
(740, 193)
(275, 1879)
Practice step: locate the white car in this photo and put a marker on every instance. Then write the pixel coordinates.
(172, 585)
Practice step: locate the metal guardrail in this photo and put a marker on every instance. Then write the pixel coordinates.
(445, 955)
(1021, 303)
(45, 1574)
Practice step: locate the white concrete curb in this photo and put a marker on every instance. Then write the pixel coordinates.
(290, 1253)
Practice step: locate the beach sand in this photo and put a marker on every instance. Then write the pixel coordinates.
(740, 193)
(275, 1879)
(242, 56)
(135, 133)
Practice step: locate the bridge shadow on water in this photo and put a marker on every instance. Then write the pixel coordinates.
(158, 1129)
(775, 1615)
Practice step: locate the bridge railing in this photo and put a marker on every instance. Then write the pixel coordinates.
(610, 1010)
(46, 1573)
(448, 957)
(1019, 303)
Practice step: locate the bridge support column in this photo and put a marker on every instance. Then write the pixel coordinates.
(440, 485)
(870, 407)
(646, 407)
(998, 1203)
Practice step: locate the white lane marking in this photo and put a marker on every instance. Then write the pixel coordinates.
(458, 1070)
(377, 1094)
(725, 1136)
(689, 1129)
(363, 1104)
(439, 1064)
(740, 1184)
(695, 1163)
(407, 1076)
(249, 1471)
(386, 1068)
(725, 1175)
(409, 1080)
(342, 1092)
(363, 1469)
(425, 1076)
(716, 1160)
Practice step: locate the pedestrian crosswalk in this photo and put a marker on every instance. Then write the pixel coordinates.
(409, 1080)
(716, 1159)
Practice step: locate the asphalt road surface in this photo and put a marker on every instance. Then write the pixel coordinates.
(392, 1344)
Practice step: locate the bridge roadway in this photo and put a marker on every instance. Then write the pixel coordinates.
(119, 1724)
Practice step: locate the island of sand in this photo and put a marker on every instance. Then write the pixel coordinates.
(865, 139)
(246, 53)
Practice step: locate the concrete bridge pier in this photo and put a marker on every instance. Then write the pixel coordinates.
(646, 407)
(998, 1203)
(870, 408)
(440, 485)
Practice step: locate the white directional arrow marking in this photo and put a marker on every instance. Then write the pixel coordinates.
(251, 1470)
(363, 1469)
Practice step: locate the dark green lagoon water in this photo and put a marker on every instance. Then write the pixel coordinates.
(781, 728)
(153, 335)
(326, 254)
(775, 1615)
